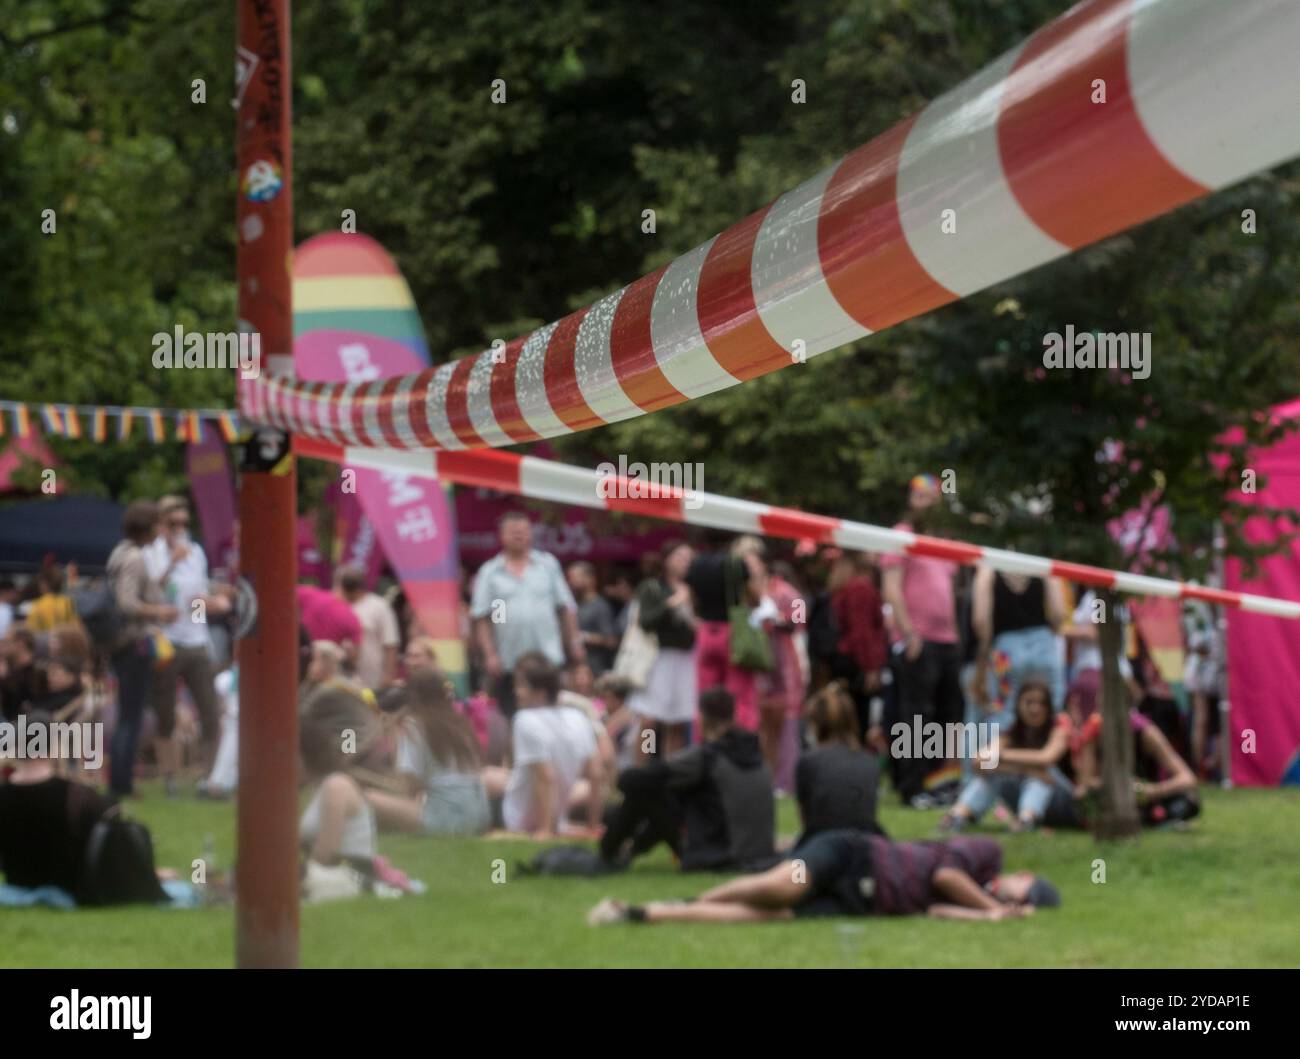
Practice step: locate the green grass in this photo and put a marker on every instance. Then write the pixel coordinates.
(1220, 895)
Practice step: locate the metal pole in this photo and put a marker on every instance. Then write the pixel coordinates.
(267, 863)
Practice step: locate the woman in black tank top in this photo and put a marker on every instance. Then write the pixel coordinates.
(1014, 618)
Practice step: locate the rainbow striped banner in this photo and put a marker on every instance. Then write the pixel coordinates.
(154, 421)
(99, 424)
(51, 420)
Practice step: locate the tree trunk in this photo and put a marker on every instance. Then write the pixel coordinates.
(1119, 816)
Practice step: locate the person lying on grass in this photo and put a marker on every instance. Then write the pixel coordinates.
(852, 873)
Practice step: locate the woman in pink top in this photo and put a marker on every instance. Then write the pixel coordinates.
(919, 591)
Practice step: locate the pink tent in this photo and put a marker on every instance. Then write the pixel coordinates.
(1264, 652)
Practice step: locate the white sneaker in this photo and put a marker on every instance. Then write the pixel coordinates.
(608, 911)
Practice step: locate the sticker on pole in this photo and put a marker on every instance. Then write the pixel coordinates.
(245, 64)
(245, 612)
(262, 181)
(265, 450)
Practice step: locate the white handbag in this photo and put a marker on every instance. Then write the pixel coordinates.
(638, 650)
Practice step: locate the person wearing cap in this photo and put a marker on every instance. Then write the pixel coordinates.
(853, 873)
(920, 593)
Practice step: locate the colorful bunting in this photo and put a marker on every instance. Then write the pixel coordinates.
(65, 420)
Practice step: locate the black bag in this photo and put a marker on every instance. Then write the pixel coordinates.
(119, 866)
(568, 860)
(96, 606)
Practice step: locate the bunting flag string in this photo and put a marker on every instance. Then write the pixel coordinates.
(161, 424)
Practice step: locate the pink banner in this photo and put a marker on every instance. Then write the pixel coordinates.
(207, 465)
(412, 517)
(1263, 652)
(354, 537)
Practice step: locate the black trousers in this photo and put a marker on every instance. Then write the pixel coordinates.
(649, 814)
(504, 689)
(929, 688)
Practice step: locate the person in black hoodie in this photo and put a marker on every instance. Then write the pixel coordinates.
(712, 802)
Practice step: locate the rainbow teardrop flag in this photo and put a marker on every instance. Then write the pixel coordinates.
(71, 424)
(154, 422)
(51, 420)
(22, 421)
(355, 319)
(229, 430)
(125, 420)
(99, 424)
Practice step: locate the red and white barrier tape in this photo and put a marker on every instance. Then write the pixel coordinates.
(1198, 94)
(529, 476)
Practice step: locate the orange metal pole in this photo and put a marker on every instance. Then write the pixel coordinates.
(267, 862)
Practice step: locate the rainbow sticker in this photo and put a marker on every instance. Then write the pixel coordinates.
(262, 181)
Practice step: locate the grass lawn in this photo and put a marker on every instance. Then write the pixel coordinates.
(1219, 895)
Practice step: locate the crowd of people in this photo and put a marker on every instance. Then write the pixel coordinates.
(672, 705)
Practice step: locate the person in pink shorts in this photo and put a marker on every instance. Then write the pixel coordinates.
(711, 576)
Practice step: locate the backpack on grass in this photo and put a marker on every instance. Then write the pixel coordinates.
(119, 866)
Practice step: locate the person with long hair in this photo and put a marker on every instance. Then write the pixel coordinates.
(439, 761)
(338, 825)
(836, 781)
(1032, 758)
(1164, 784)
(663, 608)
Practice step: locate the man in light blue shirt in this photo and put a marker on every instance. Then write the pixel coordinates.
(522, 603)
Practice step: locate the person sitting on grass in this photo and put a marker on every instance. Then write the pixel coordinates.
(851, 873)
(836, 782)
(620, 722)
(46, 825)
(338, 825)
(1164, 783)
(45, 822)
(439, 761)
(711, 803)
(552, 748)
(1032, 756)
